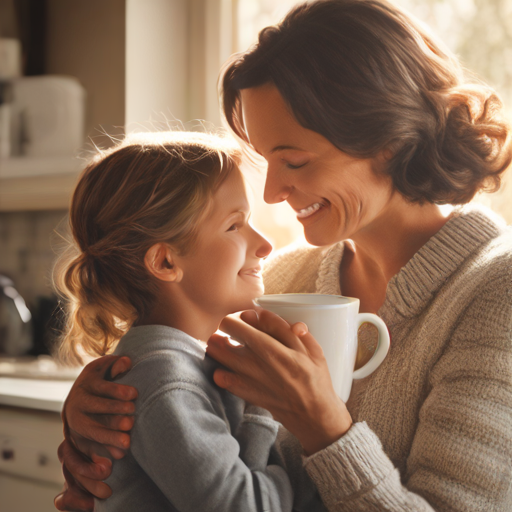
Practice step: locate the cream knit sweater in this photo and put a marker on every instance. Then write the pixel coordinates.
(433, 425)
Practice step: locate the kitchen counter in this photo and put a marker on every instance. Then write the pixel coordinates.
(44, 395)
(35, 383)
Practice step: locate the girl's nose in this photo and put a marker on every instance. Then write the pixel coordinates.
(276, 191)
(263, 246)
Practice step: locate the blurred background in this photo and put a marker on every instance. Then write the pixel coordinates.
(78, 74)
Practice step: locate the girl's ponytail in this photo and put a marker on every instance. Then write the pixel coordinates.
(96, 317)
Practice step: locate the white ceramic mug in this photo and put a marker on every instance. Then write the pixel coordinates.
(333, 320)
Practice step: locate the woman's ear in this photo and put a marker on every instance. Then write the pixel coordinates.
(161, 263)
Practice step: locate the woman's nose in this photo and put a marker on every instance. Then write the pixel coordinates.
(276, 190)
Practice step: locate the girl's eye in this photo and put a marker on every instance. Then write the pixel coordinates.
(234, 227)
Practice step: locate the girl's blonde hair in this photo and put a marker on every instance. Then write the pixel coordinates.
(152, 187)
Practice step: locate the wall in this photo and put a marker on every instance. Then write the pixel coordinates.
(86, 39)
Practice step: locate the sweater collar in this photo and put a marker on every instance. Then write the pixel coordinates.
(413, 287)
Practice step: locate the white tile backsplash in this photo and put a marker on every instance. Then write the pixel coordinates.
(28, 245)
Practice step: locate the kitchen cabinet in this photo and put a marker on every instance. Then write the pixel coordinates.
(30, 472)
(30, 433)
(30, 183)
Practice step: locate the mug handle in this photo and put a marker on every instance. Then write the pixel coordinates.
(382, 345)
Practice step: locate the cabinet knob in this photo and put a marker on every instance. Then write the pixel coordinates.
(7, 454)
(43, 459)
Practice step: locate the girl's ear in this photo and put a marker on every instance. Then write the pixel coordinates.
(160, 262)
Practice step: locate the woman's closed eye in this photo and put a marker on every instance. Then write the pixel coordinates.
(294, 165)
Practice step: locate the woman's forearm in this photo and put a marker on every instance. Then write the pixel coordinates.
(355, 474)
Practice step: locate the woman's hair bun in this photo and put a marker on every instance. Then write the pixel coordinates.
(467, 149)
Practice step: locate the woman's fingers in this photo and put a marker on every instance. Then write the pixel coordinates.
(265, 321)
(245, 388)
(299, 329)
(92, 394)
(74, 499)
(251, 330)
(79, 466)
(312, 346)
(116, 453)
(94, 378)
(116, 414)
(96, 432)
(114, 421)
(91, 404)
(96, 488)
(111, 390)
(236, 358)
(121, 366)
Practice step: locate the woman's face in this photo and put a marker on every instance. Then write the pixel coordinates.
(334, 194)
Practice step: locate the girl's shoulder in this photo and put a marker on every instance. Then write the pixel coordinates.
(163, 359)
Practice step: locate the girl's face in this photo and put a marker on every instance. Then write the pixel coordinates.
(222, 272)
(334, 194)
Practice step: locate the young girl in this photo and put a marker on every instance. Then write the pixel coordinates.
(164, 250)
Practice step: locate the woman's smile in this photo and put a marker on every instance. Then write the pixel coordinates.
(309, 211)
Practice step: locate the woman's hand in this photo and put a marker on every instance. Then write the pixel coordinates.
(96, 415)
(83, 479)
(100, 410)
(282, 369)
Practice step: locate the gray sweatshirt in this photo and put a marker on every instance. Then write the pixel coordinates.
(194, 446)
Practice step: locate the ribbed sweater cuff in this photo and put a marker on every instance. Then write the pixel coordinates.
(354, 465)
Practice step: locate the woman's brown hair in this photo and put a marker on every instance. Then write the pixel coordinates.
(153, 187)
(368, 78)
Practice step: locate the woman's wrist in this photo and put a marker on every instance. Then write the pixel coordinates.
(324, 429)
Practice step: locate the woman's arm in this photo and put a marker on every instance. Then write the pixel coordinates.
(96, 411)
(454, 471)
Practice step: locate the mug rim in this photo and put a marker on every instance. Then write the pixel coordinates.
(282, 303)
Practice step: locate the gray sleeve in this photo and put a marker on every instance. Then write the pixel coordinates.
(289, 453)
(256, 435)
(188, 451)
(262, 441)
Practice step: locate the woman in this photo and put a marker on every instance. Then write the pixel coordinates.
(367, 126)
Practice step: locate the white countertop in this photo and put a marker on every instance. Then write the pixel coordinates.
(35, 382)
(46, 395)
